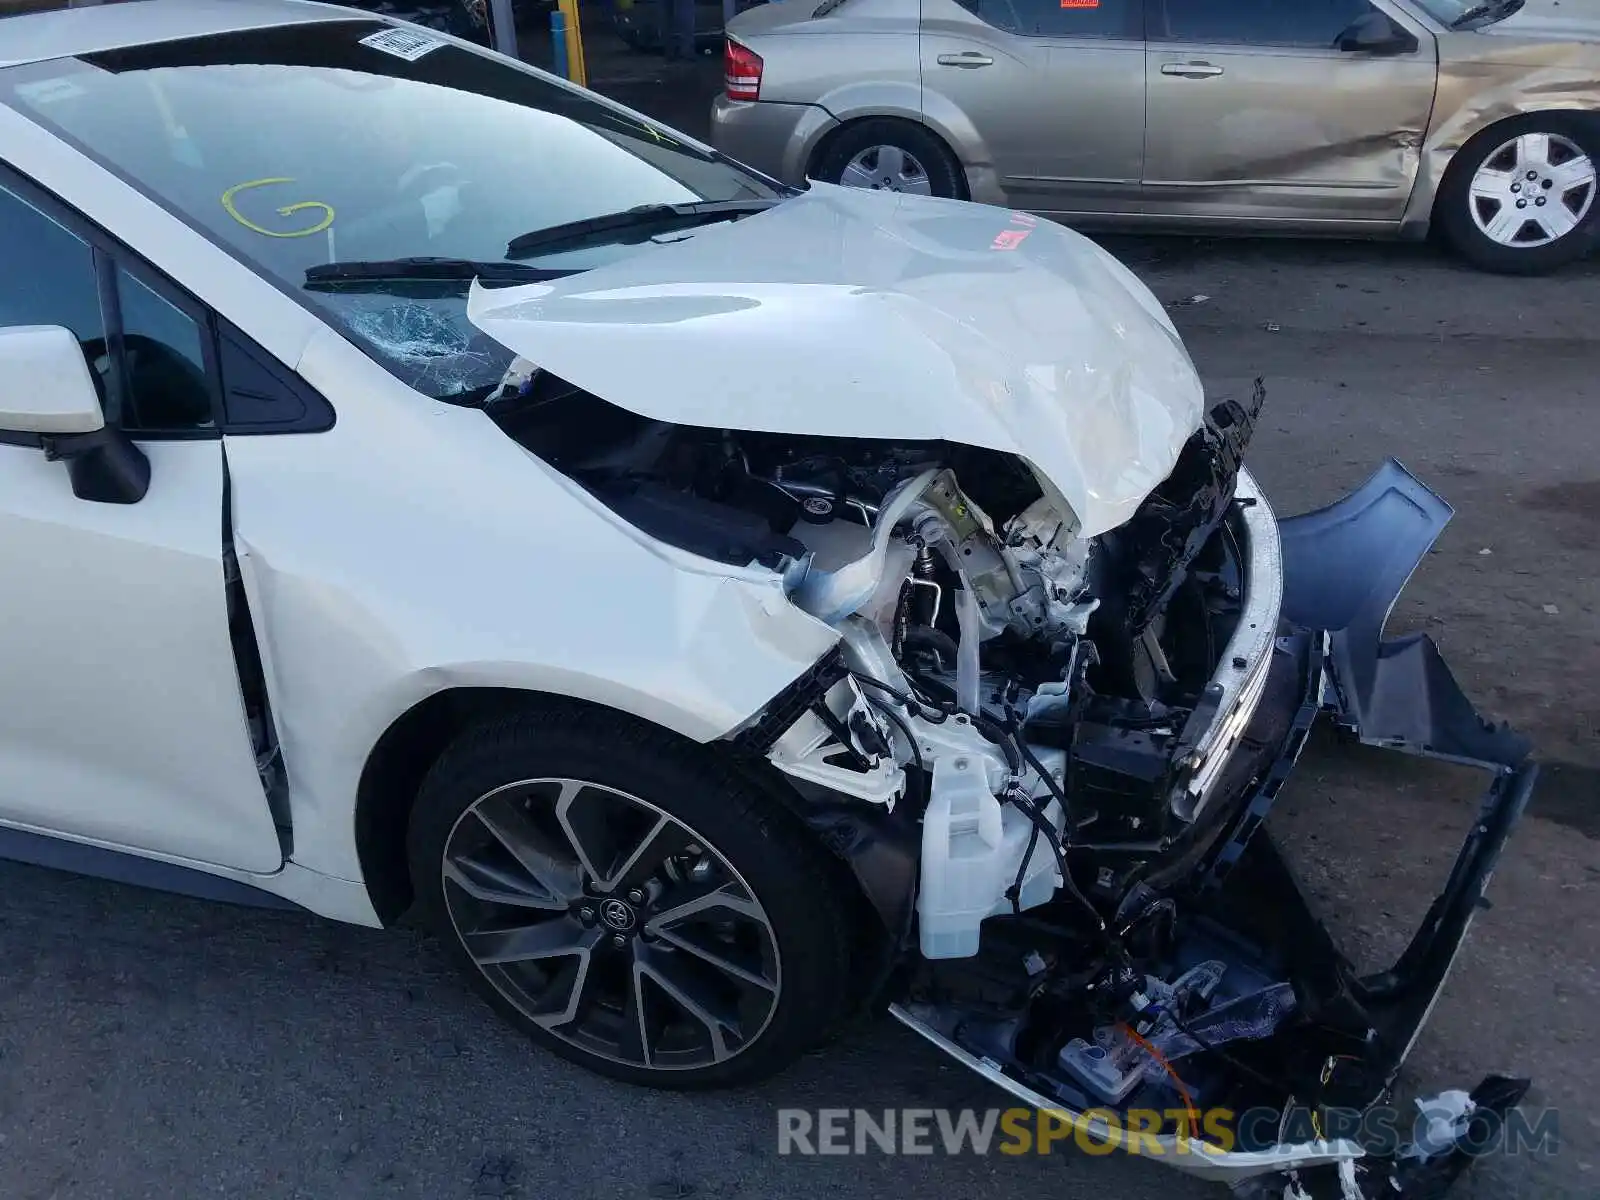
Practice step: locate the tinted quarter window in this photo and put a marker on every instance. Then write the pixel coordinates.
(166, 368)
(1311, 23)
(1062, 18)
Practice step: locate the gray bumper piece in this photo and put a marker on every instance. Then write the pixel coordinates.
(1344, 567)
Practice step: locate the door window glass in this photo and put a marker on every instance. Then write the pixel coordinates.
(1311, 23)
(1061, 18)
(50, 278)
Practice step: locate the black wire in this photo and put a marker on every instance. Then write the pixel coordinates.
(1016, 752)
(1069, 885)
(935, 711)
(916, 751)
(1014, 892)
(922, 708)
(891, 960)
(1041, 825)
(881, 686)
(1233, 1062)
(1049, 781)
(1002, 737)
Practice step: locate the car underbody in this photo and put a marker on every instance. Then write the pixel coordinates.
(1048, 760)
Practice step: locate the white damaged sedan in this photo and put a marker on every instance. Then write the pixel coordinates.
(718, 609)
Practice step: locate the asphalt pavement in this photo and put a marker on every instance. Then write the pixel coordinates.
(153, 1046)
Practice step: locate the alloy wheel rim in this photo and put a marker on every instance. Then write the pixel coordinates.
(1532, 191)
(887, 169)
(611, 924)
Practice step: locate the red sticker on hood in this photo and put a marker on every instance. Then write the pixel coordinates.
(1008, 239)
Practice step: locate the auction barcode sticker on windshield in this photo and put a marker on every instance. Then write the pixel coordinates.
(48, 91)
(402, 43)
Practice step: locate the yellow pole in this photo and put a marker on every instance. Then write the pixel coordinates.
(578, 69)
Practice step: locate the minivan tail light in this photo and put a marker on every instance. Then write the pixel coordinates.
(742, 71)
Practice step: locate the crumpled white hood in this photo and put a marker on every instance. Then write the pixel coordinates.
(852, 313)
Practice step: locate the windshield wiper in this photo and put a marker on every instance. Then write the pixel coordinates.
(635, 224)
(447, 270)
(1499, 9)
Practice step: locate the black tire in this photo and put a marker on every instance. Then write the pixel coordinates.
(1454, 208)
(795, 884)
(944, 173)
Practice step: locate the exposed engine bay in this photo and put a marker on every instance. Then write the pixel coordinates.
(1048, 760)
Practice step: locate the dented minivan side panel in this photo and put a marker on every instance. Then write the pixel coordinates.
(1298, 135)
(1509, 69)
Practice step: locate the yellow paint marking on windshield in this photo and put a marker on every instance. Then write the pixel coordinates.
(288, 210)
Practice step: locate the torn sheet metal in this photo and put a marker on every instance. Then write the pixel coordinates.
(784, 321)
(1536, 59)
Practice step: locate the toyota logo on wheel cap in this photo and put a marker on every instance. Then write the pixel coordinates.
(616, 915)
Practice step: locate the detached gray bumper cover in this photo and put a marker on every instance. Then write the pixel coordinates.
(1344, 567)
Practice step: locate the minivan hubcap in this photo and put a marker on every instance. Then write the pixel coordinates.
(887, 169)
(611, 924)
(1532, 191)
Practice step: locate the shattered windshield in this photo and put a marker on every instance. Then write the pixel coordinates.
(356, 142)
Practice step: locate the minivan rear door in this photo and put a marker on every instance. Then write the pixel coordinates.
(1046, 94)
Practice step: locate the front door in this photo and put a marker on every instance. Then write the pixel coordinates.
(1256, 115)
(121, 717)
(1053, 90)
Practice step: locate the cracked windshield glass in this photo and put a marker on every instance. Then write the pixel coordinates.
(349, 149)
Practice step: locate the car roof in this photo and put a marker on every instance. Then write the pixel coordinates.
(66, 32)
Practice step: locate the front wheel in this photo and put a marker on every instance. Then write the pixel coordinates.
(1520, 197)
(628, 901)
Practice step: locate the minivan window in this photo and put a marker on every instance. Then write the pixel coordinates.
(357, 141)
(1315, 24)
(1115, 19)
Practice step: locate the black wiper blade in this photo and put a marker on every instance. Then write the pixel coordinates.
(638, 224)
(425, 269)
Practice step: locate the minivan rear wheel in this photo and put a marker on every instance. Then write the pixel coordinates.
(892, 155)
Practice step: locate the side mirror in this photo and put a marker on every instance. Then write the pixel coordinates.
(48, 400)
(1377, 33)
